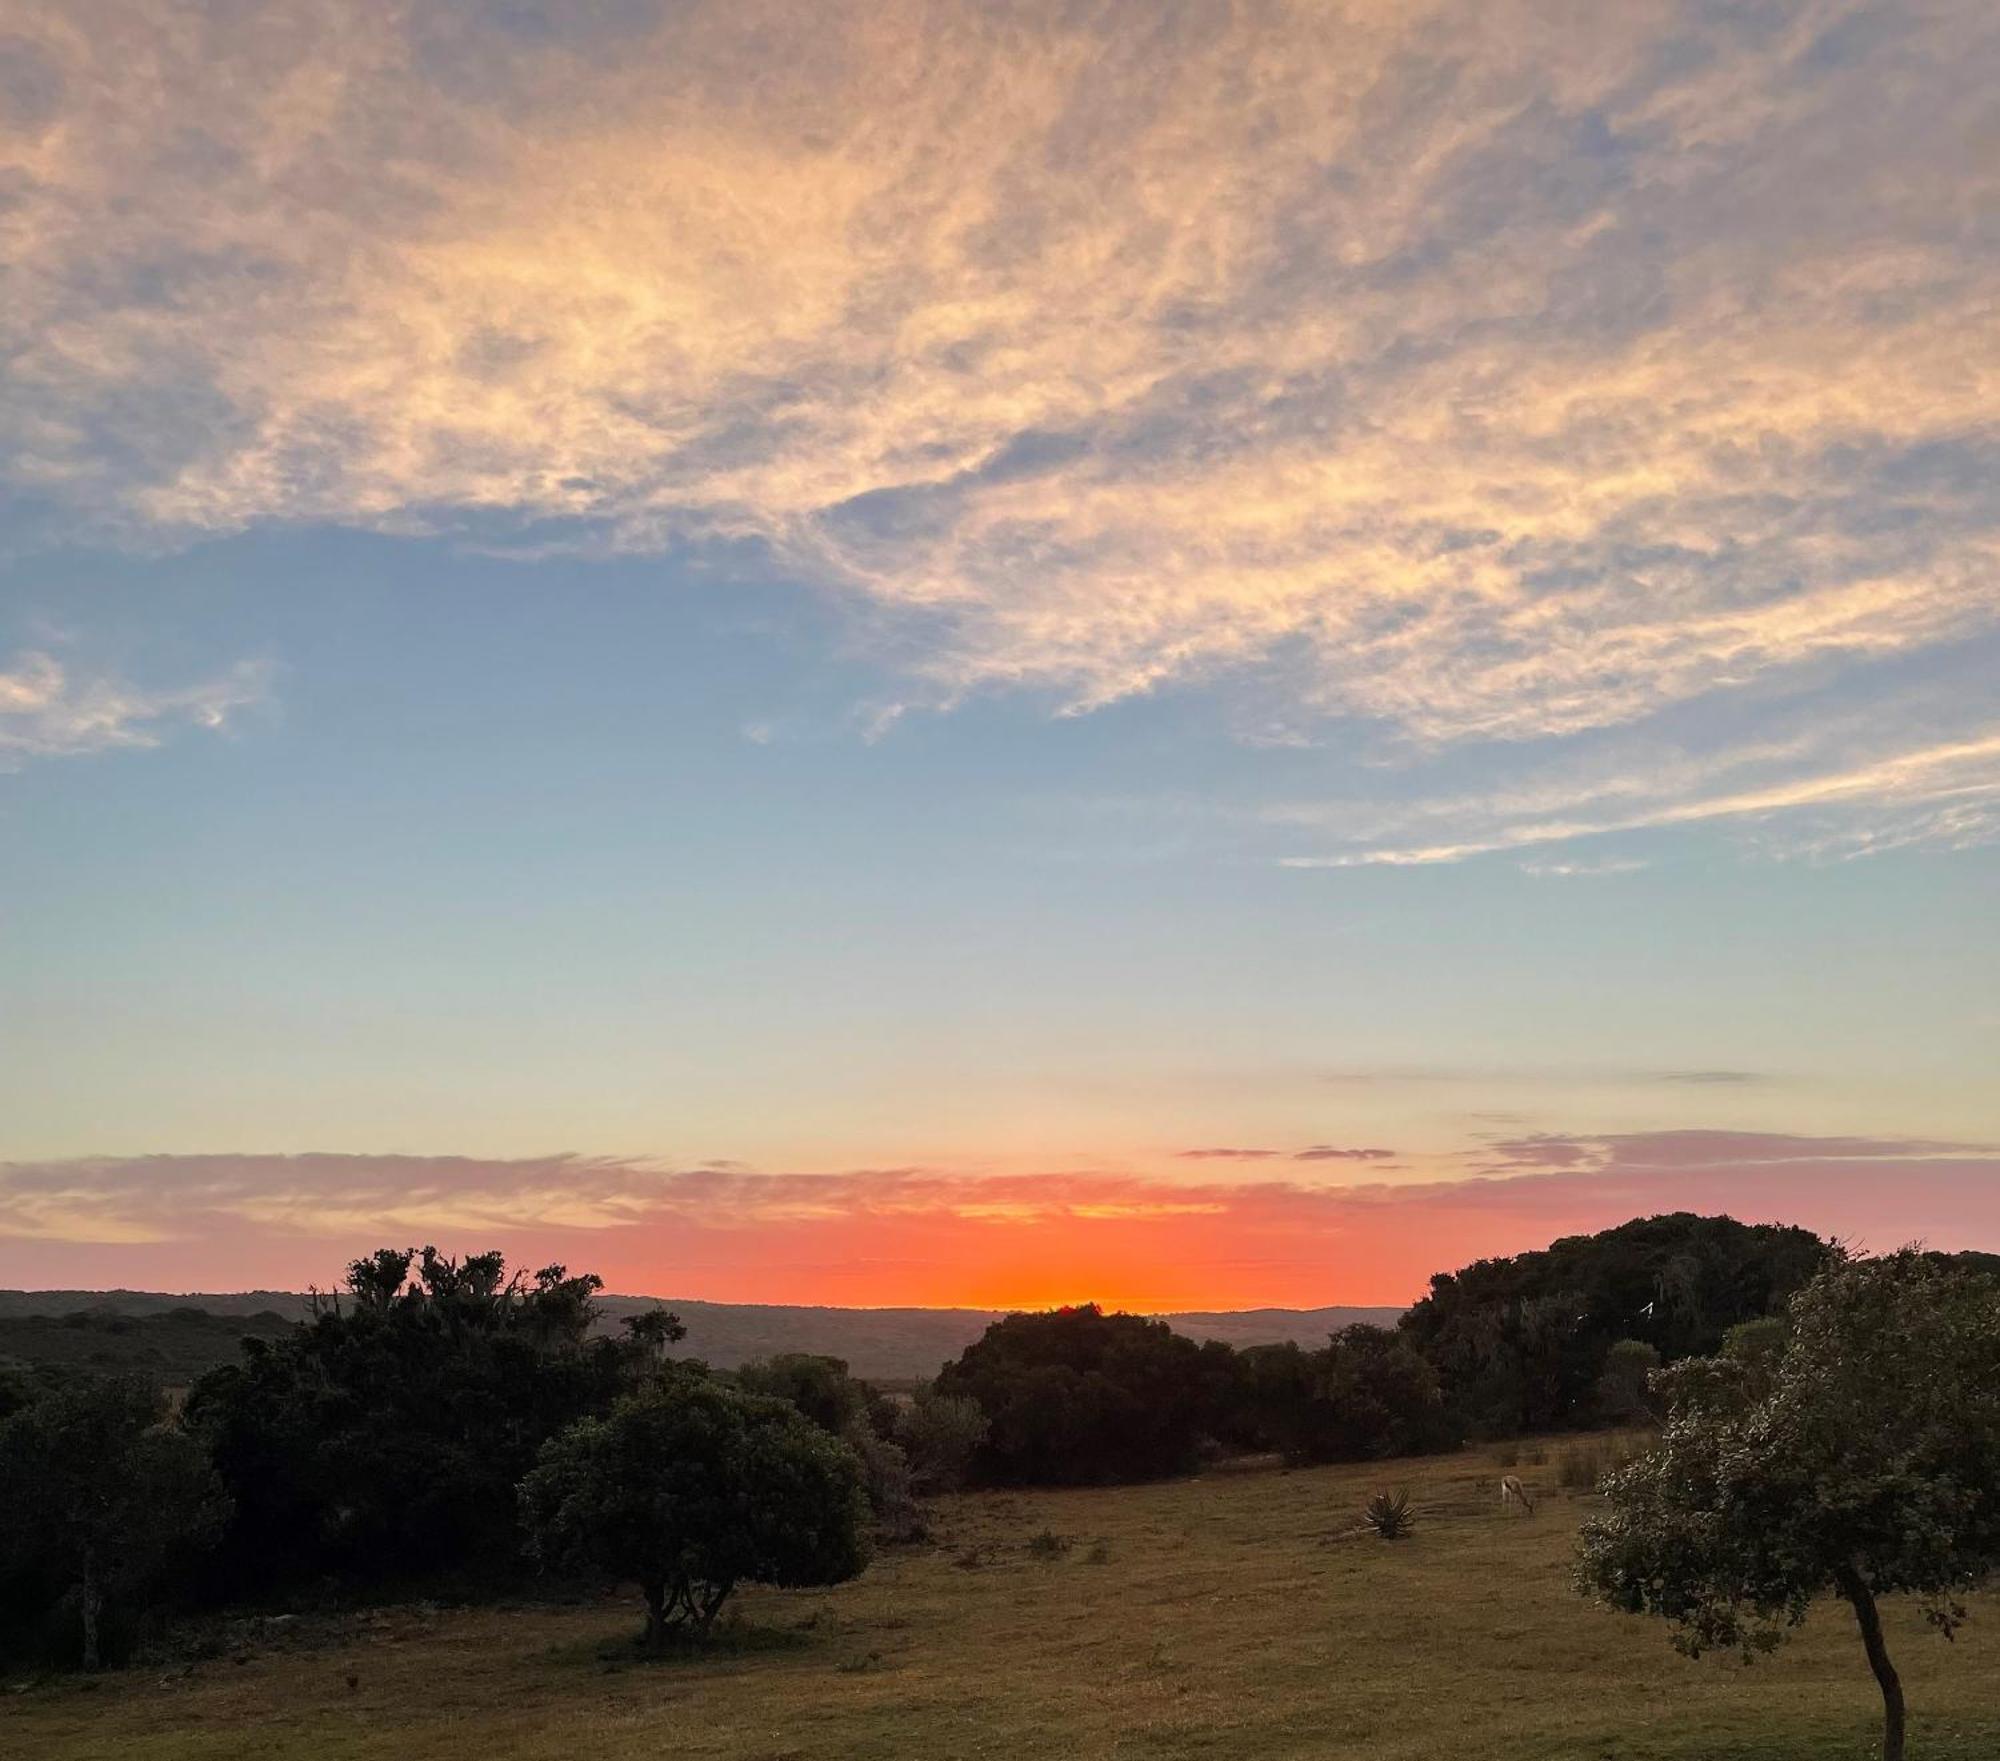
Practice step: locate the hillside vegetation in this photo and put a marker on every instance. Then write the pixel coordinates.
(134, 1329)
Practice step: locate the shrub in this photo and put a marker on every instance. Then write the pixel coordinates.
(690, 1488)
(820, 1387)
(940, 1433)
(1622, 1385)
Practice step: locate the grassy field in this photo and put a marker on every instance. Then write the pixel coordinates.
(1233, 1616)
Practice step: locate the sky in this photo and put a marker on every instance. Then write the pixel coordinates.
(1189, 655)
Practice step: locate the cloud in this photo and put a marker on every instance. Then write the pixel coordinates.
(1828, 792)
(938, 1236)
(1321, 1152)
(46, 711)
(1482, 371)
(1651, 1151)
(1583, 869)
(1225, 1155)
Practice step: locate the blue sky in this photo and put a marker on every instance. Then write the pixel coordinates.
(991, 601)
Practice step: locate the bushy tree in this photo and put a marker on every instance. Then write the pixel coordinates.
(387, 1435)
(1079, 1397)
(102, 1499)
(940, 1433)
(1863, 1461)
(1520, 1343)
(689, 1488)
(1623, 1385)
(819, 1386)
(1366, 1394)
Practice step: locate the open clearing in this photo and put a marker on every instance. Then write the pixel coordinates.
(1236, 1615)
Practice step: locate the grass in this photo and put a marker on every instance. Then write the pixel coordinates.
(1235, 1616)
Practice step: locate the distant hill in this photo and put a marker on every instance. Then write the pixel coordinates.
(105, 1328)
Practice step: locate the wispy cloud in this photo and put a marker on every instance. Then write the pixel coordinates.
(47, 710)
(1482, 370)
(1584, 868)
(1942, 792)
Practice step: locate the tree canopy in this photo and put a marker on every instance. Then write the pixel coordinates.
(1077, 1397)
(689, 1488)
(1520, 1343)
(103, 1497)
(387, 1435)
(1861, 1460)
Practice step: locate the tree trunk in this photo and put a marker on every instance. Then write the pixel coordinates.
(1855, 1588)
(90, 1600)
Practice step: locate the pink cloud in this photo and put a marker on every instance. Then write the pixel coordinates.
(927, 1236)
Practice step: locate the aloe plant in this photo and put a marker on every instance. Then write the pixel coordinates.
(1389, 1515)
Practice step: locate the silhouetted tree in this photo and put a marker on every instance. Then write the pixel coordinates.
(690, 1488)
(101, 1499)
(1520, 1343)
(387, 1434)
(1076, 1396)
(1863, 1461)
(1366, 1394)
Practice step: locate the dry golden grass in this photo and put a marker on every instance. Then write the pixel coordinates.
(1235, 1616)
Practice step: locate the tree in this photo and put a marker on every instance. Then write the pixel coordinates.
(1079, 1397)
(1364, 1395)
(1520, 1343)
(820, 1387)
(387, 1435)
(690, 1487)
(1862, 1461)
(102, 1498)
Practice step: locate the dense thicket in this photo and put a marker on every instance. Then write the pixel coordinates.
(1366, 1394)
(1078, 1397)
(387, 1435)
(103, 1502)
(1520, 1344)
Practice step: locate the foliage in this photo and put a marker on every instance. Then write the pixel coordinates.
(689, 1488)
(103, 1499)
(940, 1433)
(1365, 1395)
(820, 1387)
(1520, 1344)
(1624, 1384)
(1389, 1515)
(172, 1346)
(1079, 1397)
(1864, 1461)
(387, 1435)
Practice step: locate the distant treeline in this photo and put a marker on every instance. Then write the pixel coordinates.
(900, 1345)
(176, 1345)
(437, 1420)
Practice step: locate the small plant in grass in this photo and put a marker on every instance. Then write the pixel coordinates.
(1389, 1515)
(1049, 1545)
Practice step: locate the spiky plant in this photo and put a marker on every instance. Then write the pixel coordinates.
(1389, 1515)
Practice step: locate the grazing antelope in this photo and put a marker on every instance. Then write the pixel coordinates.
(1512, 1492)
